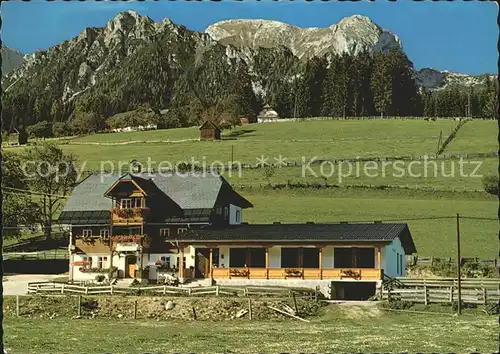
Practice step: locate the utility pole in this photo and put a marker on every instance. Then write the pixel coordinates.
(459, 309)
(468, 111)
(295, 105)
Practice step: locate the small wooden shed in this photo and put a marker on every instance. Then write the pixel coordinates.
(244, 120)
(209, 131)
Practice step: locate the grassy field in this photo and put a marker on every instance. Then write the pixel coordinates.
(339, 329)
(475, 136)
(442, 174)
(293, 140)
(432, 237)
(335, 140)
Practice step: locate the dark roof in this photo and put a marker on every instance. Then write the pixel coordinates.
(211, 124)
(191, 216)
(376, 232)
(188, 191)
(85, 217)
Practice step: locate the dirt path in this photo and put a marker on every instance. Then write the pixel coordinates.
(18, 284)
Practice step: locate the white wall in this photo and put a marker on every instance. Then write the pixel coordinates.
(232, 215)
(327, 257)
(224, 256)
(389, 256)
(275, 257)
(78, 275)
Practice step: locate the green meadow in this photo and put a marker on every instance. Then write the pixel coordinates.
(462, 192)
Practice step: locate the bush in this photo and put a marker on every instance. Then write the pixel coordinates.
(399, 305)
(490, 184)
(62, 129)
(40, 130)
(465, 305)
(99, 278)
(493, 308)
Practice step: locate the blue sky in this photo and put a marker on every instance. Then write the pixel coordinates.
(457, 36)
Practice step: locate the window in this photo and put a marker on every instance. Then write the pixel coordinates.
(218, 210)
(397, 263)
(102, 262)
(226, 212)
(400, 264)
(181, 230)
(165, 261)
(87, 233)
(238, 216)
(88, 260)
(126, 203)
(164, 232)
(105, 233)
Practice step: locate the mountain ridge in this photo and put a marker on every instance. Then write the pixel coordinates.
(350, 35)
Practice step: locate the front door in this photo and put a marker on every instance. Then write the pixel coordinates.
(202, 263)
(130, 262)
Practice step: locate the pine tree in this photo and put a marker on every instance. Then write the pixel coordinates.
(381, 84)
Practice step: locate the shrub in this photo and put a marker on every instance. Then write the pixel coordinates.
(40, 130)
(62, 129)
(99, 278)
(490, 184)
(493, 308)
(465, 305)
(399, 305)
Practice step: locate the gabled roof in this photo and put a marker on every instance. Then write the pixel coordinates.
(210, 124)
(339, 233)
(188, 191)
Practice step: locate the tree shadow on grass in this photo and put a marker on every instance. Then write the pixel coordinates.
(237, 133)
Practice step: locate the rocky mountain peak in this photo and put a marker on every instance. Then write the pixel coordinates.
(351, 35)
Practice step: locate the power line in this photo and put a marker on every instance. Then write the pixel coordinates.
(27, 191)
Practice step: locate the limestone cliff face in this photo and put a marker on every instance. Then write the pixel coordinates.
(351, 35)
(11, 59)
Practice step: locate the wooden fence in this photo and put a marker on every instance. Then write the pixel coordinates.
(429, 295)
(58, 253)
(443, 290)
(216, 290)
(412, 260)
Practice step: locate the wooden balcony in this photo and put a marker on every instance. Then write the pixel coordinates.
(298, 273)
(128, 216)
(130, 240)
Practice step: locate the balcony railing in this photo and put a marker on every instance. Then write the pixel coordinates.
(298, 273)
(143, 240)
(129, 215)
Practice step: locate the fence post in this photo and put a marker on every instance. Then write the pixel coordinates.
(189, 293)
(194, 313)
(389, 294)
(79, 305)
(451, 294)
(135, 309)
(164, 289)
(17, 305)
(484, 295)
(111, 289)
(295, 304)
(425, 295)
(86, 290)
(217, 290)
(250, 308)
